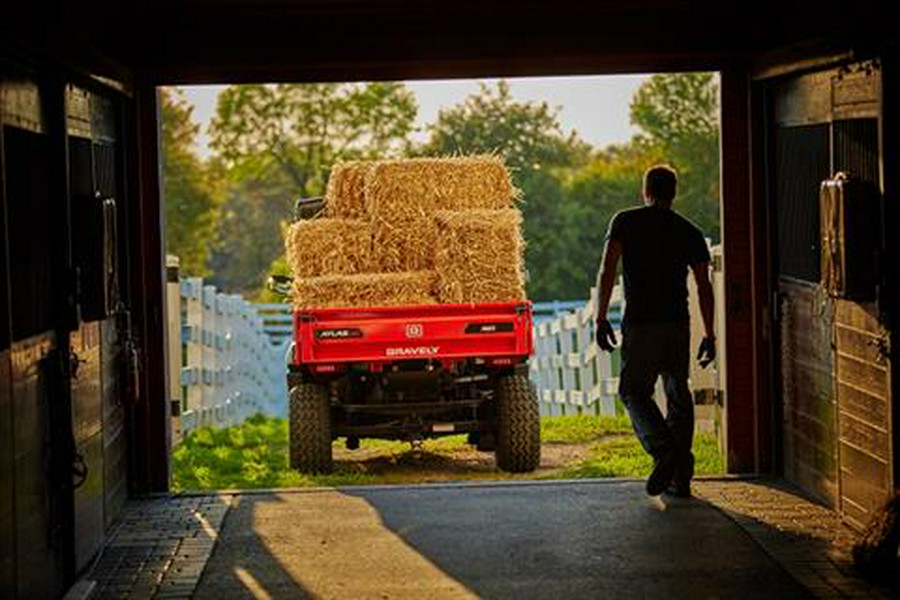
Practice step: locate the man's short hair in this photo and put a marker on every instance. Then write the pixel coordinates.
(659, 183)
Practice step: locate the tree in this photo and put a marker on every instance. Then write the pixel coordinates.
(249, 237)
(277, 142)
(679, 116)
(190, 207)
(529, 138)
(526, 134)
(294, 133)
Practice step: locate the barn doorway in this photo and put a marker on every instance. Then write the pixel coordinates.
(571, 183)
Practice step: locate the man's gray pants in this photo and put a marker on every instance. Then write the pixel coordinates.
(651, 350)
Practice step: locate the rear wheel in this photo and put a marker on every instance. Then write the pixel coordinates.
(310, 429)
(518, 425)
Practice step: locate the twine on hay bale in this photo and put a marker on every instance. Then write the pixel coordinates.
(328, 247)
(478, 256)
(402, 196)
(364, 290)
(345, 194)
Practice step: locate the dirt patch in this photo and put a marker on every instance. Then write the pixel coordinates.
(455, 463)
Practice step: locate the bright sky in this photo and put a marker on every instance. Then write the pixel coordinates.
(594, 106)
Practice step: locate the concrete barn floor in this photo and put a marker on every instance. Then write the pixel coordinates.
(559, 539)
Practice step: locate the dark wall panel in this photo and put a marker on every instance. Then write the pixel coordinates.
(115, 459)
(38, 554)
(856, 148)
(7, 473)
(7, 480)
(802, 159)
(87, 421)
(31, 221)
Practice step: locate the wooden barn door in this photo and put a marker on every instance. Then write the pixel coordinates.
(97, 404)
(806, 313)
(862, 367)
(834, 376)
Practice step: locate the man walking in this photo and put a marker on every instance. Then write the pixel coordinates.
(657, 247)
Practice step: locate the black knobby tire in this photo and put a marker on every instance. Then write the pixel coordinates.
(310, 429)
(518, 425)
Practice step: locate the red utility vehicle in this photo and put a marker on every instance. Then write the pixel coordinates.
(410, 373)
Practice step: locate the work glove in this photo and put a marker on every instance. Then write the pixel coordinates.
(707, 352)
(606, 337)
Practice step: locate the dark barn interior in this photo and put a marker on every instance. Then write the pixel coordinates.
(807, 90)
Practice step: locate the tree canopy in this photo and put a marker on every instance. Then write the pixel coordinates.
(295, 132)
(190, 206)
(679, 118)
(526, 134)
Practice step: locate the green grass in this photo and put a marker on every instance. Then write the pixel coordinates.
(624, 457)
(249, 456)
(580, 429)
(254, 455)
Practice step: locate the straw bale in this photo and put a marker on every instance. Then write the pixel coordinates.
(345, 194)
(479, 256)
(403, 195)
(365, 290)
(328, 247)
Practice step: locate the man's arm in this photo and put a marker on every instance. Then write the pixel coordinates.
(705, 295)
(707, 351)
(606, 277)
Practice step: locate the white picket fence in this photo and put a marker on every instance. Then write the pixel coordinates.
(571, 375)
(223, 366)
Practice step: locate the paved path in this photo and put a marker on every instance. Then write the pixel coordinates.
(594, 539)
(582, 539)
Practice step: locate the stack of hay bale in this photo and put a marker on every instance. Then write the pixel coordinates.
(407, 232)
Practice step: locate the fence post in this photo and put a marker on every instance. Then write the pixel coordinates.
(173, 331)
(192, 290)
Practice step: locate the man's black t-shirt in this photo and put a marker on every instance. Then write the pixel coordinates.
(658, 247)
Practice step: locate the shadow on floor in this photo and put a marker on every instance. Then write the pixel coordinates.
(538, 540)
(242, 565)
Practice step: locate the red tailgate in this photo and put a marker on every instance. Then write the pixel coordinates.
(443, 331)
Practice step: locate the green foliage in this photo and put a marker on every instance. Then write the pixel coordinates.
(679, 116)
(526, 134)
(249, 236)
(295, 132)
(276, 143)
(190, 206)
